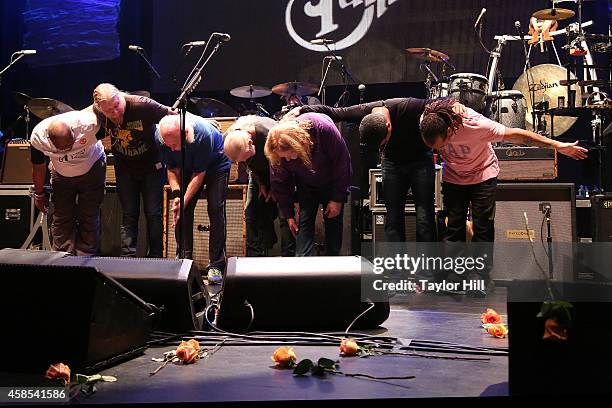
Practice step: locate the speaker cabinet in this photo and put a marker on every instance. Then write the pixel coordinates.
(235, 244)
(513, 257)
(75, 314)
(16, 166)
(305, 293)
(17, 213)
(173, 286)
(601, 213)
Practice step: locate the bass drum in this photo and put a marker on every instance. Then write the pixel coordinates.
(508, 108)
(469, 89)
(546, 79)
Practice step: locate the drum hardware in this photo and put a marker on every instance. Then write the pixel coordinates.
(209, 107)
(44, 108)
(436, 85)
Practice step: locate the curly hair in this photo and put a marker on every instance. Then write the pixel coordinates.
(290, 135)
(438, 117)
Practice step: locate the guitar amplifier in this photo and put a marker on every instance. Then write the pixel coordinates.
(526, 163)
(16, 166)
(377, 199)
(238, 172)
(111, 178)
(235, 243)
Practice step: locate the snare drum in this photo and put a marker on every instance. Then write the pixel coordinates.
(508, 108)
(469, 89)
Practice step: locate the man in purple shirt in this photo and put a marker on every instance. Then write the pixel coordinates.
(309, 155)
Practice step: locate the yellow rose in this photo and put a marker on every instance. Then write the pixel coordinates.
(59, 370)
(497, 330)
(349, 347)
(186, 352)
(284, 356)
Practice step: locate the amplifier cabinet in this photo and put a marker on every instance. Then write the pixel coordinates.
(526, 163)
(16, 166)
(235, 243)
(17, 212)
(377, 200)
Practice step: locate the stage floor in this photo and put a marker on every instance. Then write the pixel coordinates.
(246, 373)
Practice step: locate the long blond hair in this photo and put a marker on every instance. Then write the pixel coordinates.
(290, 135)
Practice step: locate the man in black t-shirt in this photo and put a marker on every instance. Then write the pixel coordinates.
(129, 121)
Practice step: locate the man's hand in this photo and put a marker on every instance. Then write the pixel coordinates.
(333, 209)
(176, 211)
(293, 226)
(41, 202)
(460, 109)
(572, 150)
(293, 113)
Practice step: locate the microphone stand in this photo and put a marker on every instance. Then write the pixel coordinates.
(181, 103)
(151, 67)
(346, 74)
(547, 209)
(530, 82)
(11, 63)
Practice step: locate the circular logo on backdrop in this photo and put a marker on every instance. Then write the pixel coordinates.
(301, 16)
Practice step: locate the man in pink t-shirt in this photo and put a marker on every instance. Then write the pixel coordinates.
(471, 168)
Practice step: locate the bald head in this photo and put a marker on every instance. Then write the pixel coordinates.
(170, 132)
(60, 135)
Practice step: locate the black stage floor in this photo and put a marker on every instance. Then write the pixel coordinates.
(245, 373)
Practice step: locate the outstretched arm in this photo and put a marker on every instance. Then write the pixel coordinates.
(525, 137)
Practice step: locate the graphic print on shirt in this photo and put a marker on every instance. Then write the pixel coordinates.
(124, 141)
(458, 151)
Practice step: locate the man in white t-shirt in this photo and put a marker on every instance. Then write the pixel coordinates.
(471, 167)
(78, 172)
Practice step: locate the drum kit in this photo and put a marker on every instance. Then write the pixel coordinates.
(540, 88)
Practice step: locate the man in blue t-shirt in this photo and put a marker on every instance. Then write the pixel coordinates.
(205, 165)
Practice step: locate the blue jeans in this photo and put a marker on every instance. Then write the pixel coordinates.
(130, 187)
(260, 218)
(397, 179)
(309, 201)
(216, 194)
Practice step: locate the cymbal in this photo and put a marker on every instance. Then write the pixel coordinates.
(428, 54)
(547, 78)
(251, 91)
(295, 88)
(554, 14)
(209, 107)
(21, 98)
(146, 94)
(44, 108)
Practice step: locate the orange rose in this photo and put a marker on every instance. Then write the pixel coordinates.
(349, 347)
(497, 330)
(59, 370)
(490, 316)
(554, 331)
(284, 357)
(187, 352)
(194, 343)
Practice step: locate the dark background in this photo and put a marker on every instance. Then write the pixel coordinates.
(261, 51)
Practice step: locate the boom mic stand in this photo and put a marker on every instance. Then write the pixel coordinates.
(346, 75)
(189, 86)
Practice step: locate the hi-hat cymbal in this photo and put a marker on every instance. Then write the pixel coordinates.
(546, 79)
(295, 88)
(428, 54)
(44, 108)
(21, 98)
(251, 91)
(554, 14)
(208, 108)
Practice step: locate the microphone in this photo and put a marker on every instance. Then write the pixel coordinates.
(482, 13)
(322, 41)
(361, 89)
(135, 48)
(517, 24)
(223, 37)
(25, 52)
(195, 44)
